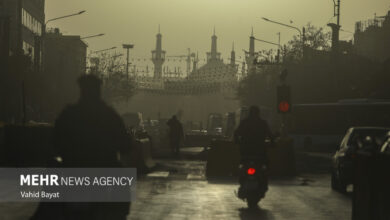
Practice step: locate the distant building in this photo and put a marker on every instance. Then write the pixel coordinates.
(208, 88)
(64, 61)
(215, 75)
(372, 38)
(64, 53)
(26, 26)
(213, 56)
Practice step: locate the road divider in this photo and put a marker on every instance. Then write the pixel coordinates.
(223, 159)
(140, 156)
(282, 158)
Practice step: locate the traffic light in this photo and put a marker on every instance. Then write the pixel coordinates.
(284, 99)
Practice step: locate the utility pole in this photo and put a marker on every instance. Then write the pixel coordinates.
(127, 47)
(278, 60)
(337, 11)
(335, 27)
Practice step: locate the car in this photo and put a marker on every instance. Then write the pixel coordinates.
(385, 149)
(356, 138)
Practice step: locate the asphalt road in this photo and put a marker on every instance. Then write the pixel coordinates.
(178, 189)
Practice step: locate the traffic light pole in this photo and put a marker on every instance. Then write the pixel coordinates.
(283, 101)
(283, 128)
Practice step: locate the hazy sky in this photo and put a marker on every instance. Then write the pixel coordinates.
(189, 23)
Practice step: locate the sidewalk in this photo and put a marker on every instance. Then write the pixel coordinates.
(17, 211)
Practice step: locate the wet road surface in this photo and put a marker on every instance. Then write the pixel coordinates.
(178, 189)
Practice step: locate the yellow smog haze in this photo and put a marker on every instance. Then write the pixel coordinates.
(189, 23)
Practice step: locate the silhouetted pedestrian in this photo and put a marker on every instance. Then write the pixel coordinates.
(176, 134)
(91, 134)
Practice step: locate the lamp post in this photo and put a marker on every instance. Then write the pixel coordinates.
(127, 47)
(268, 42)
(66, 16)
(103, 50)
(44, 29)
(92, 36)
(301, 33)
(286, 25)
(277, 44)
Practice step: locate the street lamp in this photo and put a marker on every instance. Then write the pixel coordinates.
(54, 19)
(127, 47)
(277, 44)
(92, 36)
(286, 25)
(66, 16)
(268, 42)
(99, 51)
(301, 33)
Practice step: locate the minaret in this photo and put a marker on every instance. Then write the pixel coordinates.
(233, 57)
(214, 46)
(213, 55)
(250, 56)
(252, 45)
(158, 56)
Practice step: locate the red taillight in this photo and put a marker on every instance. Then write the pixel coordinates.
(251, 171)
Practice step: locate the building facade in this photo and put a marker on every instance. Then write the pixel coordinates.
(208, 88)
(26, 26)
(64, 62)
(372, 38)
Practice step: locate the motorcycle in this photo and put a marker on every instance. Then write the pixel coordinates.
(253, 181)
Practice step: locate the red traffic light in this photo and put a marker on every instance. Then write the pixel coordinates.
(251, 171)
(284, 106)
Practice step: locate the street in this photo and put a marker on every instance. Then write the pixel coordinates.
(184, 193)
(178, 189)
(194, 110)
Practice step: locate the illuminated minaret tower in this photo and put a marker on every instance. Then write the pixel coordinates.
(233, 57)
(213, 55)
(158, 56)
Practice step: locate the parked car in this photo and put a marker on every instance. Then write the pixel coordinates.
(385, 149)
(357, 138)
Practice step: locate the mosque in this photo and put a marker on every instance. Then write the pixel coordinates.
(210, 88)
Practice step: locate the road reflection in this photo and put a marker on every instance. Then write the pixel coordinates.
(258, 214)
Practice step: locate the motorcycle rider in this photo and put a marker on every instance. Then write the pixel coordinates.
(251, 135)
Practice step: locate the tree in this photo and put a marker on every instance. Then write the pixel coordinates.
(259, 88)
(266, 56)
(315, 39)
(117, 86)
